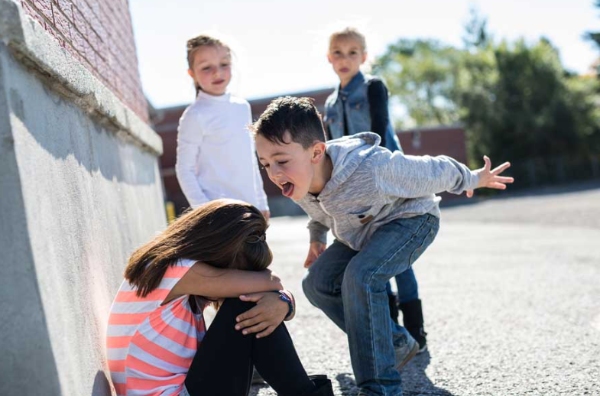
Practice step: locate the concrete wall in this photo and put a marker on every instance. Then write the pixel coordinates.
(79, 190)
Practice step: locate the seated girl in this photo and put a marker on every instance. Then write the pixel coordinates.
(157, 340)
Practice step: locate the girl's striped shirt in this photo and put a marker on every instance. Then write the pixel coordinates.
(150, 346)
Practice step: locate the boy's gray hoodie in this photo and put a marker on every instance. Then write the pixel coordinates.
(371, 186)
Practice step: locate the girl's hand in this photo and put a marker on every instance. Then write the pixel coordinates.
(489, 177)
(314, 251)
(264, 318)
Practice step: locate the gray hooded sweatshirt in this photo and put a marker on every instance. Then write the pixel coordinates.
(371, 186)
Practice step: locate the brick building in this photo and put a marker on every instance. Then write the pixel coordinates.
(432, 141)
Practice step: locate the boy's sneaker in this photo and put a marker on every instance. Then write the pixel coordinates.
(406, 352)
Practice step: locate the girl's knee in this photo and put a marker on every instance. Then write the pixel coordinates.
(235, 306)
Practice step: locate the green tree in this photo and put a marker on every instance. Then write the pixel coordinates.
(420, 74)
(594, 36)
(515, 99)
(526, 107)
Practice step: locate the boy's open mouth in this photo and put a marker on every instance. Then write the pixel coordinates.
(287, 189)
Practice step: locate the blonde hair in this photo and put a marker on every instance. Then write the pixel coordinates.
(349, 33)
(200, 41)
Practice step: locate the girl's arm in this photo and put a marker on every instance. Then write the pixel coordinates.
(203, 280)
(189, 140)
(377, 94)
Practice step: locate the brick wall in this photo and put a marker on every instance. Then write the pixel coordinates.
(99, 34)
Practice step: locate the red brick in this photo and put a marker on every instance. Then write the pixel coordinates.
(94, 40)
(80, 22)
(103, 69)
(45, 8)
(66, 7)
(62, 23)
(78, 42)
(99, 35)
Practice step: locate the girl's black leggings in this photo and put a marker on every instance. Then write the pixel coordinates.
(225, 357)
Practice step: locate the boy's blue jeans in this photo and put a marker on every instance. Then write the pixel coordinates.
(350, 288)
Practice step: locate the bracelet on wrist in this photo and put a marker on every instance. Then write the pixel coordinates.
(283, 296)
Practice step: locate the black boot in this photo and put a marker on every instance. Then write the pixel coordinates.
(412, 313)
(323, 384)
(393, 303)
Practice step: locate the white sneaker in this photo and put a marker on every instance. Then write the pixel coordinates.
(406, 352)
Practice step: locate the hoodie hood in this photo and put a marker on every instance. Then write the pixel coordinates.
(347, 154)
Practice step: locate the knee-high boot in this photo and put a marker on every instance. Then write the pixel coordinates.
(412, 313)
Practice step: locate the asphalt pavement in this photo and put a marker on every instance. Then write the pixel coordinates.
(511, 297)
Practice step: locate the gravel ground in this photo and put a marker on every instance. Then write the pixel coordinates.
(511, 294)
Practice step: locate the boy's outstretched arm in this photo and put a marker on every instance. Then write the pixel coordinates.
(490, 178)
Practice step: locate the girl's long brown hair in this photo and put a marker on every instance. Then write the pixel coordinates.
(222, 233)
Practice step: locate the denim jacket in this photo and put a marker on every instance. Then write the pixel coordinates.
(354, 100)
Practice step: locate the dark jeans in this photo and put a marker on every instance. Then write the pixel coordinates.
(225, 357)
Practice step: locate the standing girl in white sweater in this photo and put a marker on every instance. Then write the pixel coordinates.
(215, 151)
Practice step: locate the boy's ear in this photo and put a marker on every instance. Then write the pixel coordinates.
(318, 152)
(191, 73)
(364, 57)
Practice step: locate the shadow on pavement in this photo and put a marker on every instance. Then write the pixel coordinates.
(415, 381)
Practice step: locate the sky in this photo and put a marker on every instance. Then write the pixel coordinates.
(280, 45)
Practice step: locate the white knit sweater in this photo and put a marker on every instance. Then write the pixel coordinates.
(215, 152)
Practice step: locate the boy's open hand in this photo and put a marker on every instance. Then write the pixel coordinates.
(490, 178)
(264, 318)
(314, 251)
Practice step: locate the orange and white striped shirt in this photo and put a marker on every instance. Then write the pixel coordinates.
(150, 346)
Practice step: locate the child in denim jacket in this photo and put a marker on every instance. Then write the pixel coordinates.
(358, 104)
(381, 208)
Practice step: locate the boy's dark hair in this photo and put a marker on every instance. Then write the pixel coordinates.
(298, 116)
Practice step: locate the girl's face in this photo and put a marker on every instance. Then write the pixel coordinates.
(211, 69)
(346, 55)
